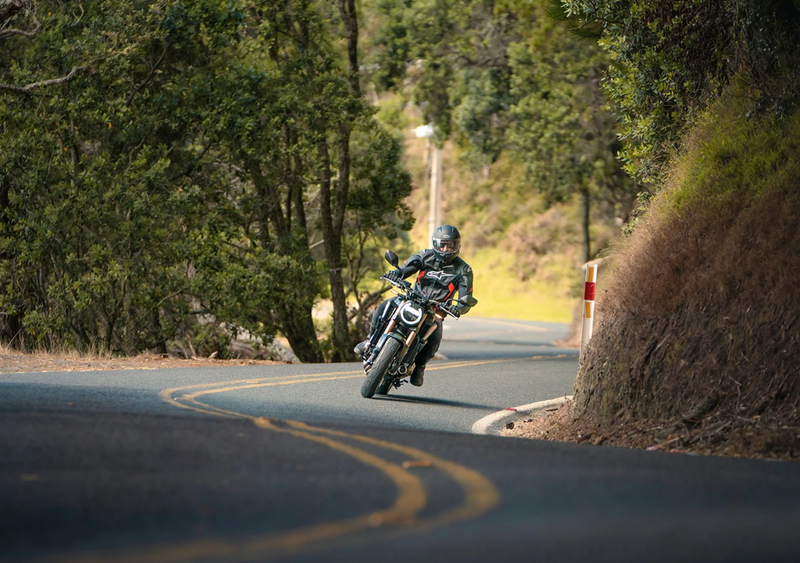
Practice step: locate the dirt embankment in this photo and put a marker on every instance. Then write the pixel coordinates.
(698, 348)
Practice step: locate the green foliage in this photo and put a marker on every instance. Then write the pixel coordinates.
(173, 174)
(508, 77)
(454, 55)
(733, 162)
(670, 57)
(561, 125)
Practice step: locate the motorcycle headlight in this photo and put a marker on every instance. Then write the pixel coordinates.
(410, 314)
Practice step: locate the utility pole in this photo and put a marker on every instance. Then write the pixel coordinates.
(426, 132)
(436, 191)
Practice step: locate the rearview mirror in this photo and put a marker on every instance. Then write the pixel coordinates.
(469, 301)
(391, 258)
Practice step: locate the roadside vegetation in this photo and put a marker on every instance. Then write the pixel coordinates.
(697, 348)
(529, 144)
(174, 169)
(175, 176)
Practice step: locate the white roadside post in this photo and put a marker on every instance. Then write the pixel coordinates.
(426, 132)
(588, 305)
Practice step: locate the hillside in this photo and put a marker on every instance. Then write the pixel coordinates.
(697, 348)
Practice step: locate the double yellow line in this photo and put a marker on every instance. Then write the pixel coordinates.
(401, 518)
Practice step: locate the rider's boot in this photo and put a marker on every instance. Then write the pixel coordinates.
(418, 376)
(362, 348)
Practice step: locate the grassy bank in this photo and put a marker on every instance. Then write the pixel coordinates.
(699, 344)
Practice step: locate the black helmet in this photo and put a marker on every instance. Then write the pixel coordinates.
(446, 243)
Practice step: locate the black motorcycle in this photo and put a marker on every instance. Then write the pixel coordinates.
(404, 329)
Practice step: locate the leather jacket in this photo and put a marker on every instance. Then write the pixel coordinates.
(440, 281)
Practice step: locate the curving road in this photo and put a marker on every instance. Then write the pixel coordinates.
(288, 462)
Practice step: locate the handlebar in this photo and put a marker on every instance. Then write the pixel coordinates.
(442, 306)
(449, 310)
(402, 284)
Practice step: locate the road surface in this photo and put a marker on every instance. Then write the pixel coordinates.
(289, 463)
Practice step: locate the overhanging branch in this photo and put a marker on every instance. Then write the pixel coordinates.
(29, 88)
(9, 32)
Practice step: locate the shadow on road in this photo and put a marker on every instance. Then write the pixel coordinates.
(441, 402)
(540, 344)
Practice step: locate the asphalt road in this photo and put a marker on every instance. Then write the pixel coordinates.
(289, 462)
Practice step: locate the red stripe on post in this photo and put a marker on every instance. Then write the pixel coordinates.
(588, 292)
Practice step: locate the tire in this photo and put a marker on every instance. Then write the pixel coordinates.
(385, 385)
(379, 368)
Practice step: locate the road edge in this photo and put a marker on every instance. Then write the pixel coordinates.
(492, 424)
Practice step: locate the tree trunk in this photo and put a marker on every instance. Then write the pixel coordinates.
(295, 319)
(585, 208)
(333, 217)
(297, 325)
(332, 234)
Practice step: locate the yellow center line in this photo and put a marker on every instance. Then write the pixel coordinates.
(167, 394)
(410, 500)
(480, 494)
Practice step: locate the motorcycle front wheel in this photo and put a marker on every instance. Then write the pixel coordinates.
(385, 385)
(379, 368)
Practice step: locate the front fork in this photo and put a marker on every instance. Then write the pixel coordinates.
(411, 345)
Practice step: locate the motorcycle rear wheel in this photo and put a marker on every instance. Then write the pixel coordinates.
(379, 368)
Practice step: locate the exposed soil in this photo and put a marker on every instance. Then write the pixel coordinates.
(739, 437)
(17, 362)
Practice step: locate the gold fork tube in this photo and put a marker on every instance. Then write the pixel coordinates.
(413, 335)
(430, 331)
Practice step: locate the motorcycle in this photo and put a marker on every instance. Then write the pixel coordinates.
(404, 329)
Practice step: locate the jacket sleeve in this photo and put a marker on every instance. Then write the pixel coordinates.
(464, 288)
(413, 264)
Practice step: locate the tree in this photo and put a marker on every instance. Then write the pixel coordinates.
(510, 76)
(670, 57)
(172, 182)
(562, 129)
(106, 177)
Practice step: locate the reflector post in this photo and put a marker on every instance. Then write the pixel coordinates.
(590, 285)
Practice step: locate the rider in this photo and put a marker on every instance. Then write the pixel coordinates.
(441, 273)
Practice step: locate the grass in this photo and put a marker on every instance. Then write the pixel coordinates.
(729, 155)
(501, 294)
(61, 352)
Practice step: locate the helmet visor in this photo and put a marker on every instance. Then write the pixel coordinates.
(446, 246)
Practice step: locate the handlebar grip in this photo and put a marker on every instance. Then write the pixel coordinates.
(401, 283)
(450, 311)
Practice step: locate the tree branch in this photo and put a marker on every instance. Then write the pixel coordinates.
(9, 32)
(10, 8)
(28, 89)
(149, 76)
(8, 11)
(372, 298)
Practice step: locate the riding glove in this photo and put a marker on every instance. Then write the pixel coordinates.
(394, 275)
